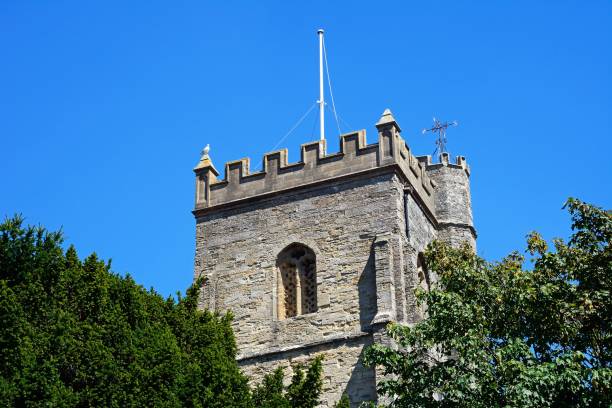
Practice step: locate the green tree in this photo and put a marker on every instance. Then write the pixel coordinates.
(303, 392)
(72, 333)
(499, 335)
(344, 402)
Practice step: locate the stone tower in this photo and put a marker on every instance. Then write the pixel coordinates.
(319, 255)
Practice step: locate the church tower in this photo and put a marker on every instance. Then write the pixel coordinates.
(317, 256)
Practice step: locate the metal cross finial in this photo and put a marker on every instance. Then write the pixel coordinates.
(440, 129)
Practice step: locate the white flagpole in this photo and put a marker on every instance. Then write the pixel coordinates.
(321, 100)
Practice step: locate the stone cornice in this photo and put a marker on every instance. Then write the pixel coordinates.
(245, 357)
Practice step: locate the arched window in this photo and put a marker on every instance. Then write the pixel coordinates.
(422, 274)
(297, 281)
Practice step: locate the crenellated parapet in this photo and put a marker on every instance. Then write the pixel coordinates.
(355, 158)
(460, 163)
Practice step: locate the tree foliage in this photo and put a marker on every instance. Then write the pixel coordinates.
(74, 334)
(343, 402)
(500, 335)
(303, 392)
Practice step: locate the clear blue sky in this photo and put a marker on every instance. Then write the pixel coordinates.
(104, 107)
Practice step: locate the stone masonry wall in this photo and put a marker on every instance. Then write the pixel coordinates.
(358, 381)
(421, 232)
(236, 251)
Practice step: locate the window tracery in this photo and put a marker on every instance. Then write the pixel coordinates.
(297, 283)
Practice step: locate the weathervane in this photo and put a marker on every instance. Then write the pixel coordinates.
(440, 129)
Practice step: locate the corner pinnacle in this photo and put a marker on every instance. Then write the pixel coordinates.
(387, 119)
(205, 161)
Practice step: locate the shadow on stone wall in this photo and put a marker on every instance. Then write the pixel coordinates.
(361, 386)
(367, 294)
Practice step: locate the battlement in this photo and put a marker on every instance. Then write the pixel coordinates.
(460, 163)
(355, 158)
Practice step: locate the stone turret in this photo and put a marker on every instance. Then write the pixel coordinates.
(453, 201)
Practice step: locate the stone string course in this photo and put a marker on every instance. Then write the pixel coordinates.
(366, 213)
